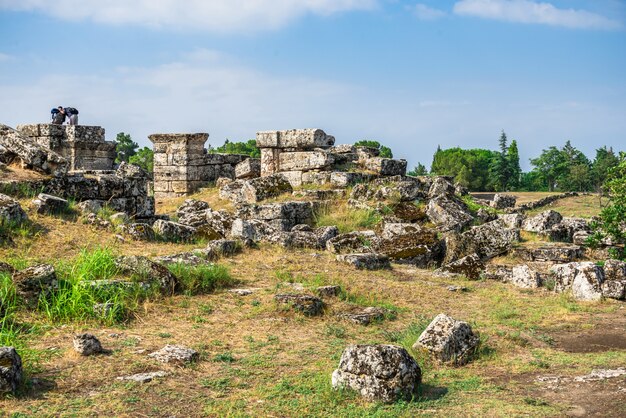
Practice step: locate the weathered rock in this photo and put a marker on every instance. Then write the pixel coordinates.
(46, 203)
(281, 216)
(364, 316)
(512, 220)
(307, 304)
(580, 237)
(189, 259)
(470, 266)
(441, 186)
(224, 247)
(497, 272)
(384, 166)
(10, 211)
(192, 212)
(328, 291)
(10, 370)
(313, 239)
(119, 218)
(173, 231)
(90, 206)
(248, 168)
(175, 354)
(448, 340)
(486, 215)
(87, 344)
(378, 372)
(138, 231)
(396, 188)
(449, 214)
(365, 261)
(147, 271)
(542, 222)
(524, 277)
(556, 253)
(405, 245)
(614, 270)
(16, 146)
(143, 377)
(587, 284)
(487, 240)
(305, 160)
(565, 230)
(357, 241)
(294, 138)
(614, 289)
(584, 279)
(35, 281)
(503, 201)
(6, 268)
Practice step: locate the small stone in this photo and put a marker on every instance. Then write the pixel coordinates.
(87, 344)
(307, 304)
(143, 377)
(243, 292)
(175, 354)
(366, 261)
(364, 316)
(328, 291)
(10, 370)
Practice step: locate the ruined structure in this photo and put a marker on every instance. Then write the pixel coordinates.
(84, 147)
(182, 165)
(309, 156)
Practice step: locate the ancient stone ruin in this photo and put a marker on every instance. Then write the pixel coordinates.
(84, 147)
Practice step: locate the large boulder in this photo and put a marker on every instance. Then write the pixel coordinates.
(396, 188)
(524, 277)
(503, 201)
(282, 216)
(10, 211)
(365, 261)
(441, 186)
(384, 166)
(35, 281)
(378, 372)
(448, 213)
(10, 370)
(448, 340)
(144, 270)
(584, 279)
(470, 266)
(16, 146)
(308, 237)
(488, 240)
(248, 168)
(256, 189)
(565, 230)
(138, 231)
(406, 245)
(542, 222)
(192, 212)
(173, 231)
(357, 241)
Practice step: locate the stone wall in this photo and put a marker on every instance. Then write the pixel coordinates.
(182, 164)
(84, 147)
(309, 156)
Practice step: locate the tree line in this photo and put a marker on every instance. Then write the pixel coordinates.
(555, 169)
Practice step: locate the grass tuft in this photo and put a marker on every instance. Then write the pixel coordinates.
(203, 278)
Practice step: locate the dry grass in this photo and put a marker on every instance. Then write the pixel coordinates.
(585, 206)
(258, 359)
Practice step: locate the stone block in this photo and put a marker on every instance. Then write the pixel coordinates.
(304, 160)
(294, 138)
(385, 166)
(248, 168)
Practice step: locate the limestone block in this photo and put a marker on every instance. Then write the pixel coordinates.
(248, 168)
(448, 340)
(304, 161)
(269, 161)
(385, 166)
(294, 138)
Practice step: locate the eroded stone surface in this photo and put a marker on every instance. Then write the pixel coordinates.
(378, 372)
(175, 354)
(307, 304)
(365, 261)
(30, 283)
(87, 344)
(448, 340)
(10, 370)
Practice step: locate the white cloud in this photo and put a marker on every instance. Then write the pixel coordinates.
(6, 57)
(424, 12)
(209, 15)
(527, 11)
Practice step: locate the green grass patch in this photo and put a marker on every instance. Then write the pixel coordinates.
(203, 278)
(346, 219)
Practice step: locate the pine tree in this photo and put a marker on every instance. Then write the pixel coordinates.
(499, 172)
(515, 171)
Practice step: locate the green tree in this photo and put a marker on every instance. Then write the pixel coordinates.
(468, 167)
(385, 152)
(245, 148)
(515, 171)
(611, 223)
(549, 166)
(144, 158)
(605, 160)
(418, 170)
(499, 170)
(125, 147)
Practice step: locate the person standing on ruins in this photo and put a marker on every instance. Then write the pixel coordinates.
(58, 117)
(72, 114)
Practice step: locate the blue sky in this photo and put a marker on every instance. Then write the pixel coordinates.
(411, 74)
